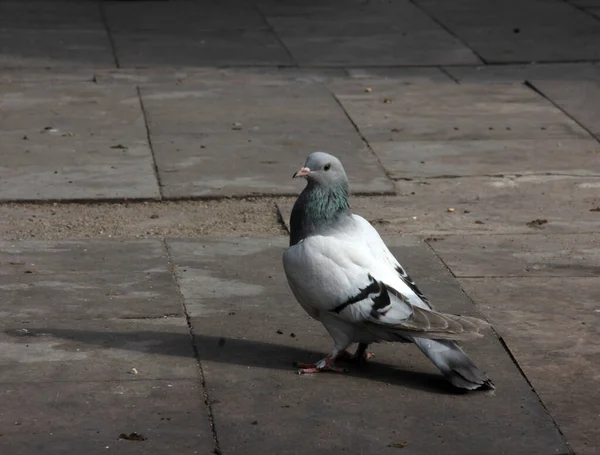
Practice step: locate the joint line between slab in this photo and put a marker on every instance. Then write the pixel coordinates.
(111, 41)
(532, 86)
(447, 73)
(447, 30)
(279, 40)
(207, 401)
(149, 139)
(364, 139)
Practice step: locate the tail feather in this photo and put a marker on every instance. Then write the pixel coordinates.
(454, 363)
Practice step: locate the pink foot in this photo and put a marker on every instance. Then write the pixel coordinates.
(326, 364)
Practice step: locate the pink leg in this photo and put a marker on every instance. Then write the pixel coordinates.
(326, 364)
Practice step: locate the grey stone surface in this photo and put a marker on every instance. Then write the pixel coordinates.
(85, 279)
(251, 103)
(88, 417)
(417, 159)
(55, 49)
(92, 350)
(526, 256)
(201, 48)
(245, 163)
(364, 35)
(482, 205)
(403, 75)
(529, 313)
(76, 141)
(580, 100)
(392, 112)
(261, 405)
(520, 32)
(55, 15)
(176, 17)
(573, 72)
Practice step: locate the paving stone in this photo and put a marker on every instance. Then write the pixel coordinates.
(91, 415)
(95, 135)
(579, 100)
(257, 394)
(254, 104)
(86, 279)
(131, 350)
(200, 48)
(246, 163)
(180, 16)
(498, 205)
(55, 49)
(362, 35)
(404, 75)
(392, 112)
(520, 32)
(418, 159)
(529, 313)
(55, 15)
(520, 73)
(525, 256)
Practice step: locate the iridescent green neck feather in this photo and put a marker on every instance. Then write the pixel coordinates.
(317, 209)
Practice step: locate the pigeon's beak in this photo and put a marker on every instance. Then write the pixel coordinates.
(302, 172)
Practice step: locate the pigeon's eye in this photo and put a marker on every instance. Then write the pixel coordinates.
(327, 166)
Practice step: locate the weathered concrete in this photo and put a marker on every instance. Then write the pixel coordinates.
(55, 49)
(574, 72)
(86, 279)
(418, 159)
(403, 75)
(90, 416)
(50, 15)
(245, 163)
(262, 406)
(551, 327)
(364, 34)
(580, 100)
(520, 32)
(482, 205)
(76, 141)
(57, 350)
(521, 256)
(393, 112)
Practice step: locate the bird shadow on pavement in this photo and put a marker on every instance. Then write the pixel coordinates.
(235, 351)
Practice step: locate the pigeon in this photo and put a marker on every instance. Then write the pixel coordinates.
(343, 275)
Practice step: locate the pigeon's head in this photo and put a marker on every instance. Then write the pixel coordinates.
(323, 169)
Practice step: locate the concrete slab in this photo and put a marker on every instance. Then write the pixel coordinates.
(46, 75)
(256, 104)
(201, 48)
(418, 159)
(181, 16)
(86, 279)
(579, 100)
(245, 163)
(55, 15)
(91, 415)
(392, 112)
(520, 32)
(96, 136)
(55, 49)
(521, 256)
(574, 72)
(365, 35)
(404, 75)
(131, 350)
(529, 313)
(236, 322)
(499, 205)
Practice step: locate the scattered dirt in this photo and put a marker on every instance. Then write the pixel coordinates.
(225, 217)
(133, 436)
(398, 445)
(596, 209)
(537, 223)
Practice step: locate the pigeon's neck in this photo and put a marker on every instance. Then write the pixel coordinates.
(317, 209)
